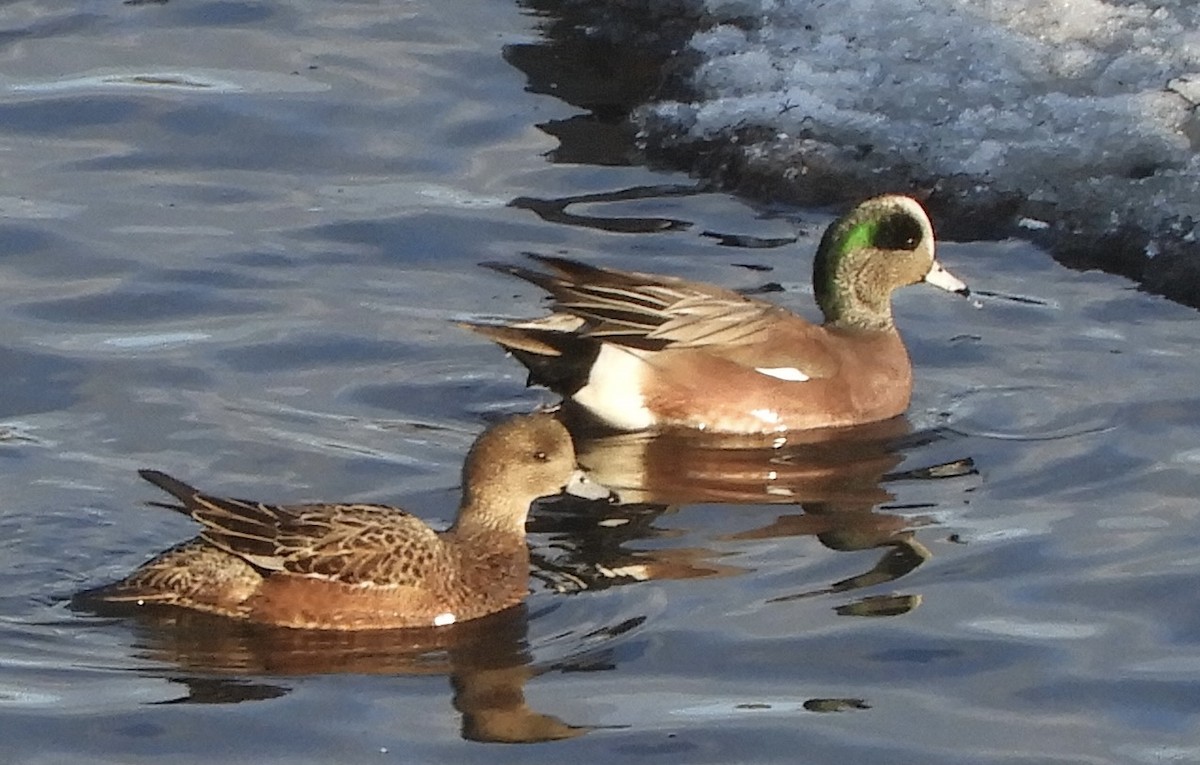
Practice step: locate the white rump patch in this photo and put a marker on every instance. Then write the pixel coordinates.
(442, 620)
(613, 391)
(791, 374)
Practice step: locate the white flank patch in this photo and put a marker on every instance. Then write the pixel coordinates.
(766, 415)
(613, 390)
(791, 374)
(441, 620)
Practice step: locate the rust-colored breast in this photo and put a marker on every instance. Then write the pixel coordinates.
(854, 378)
(312, 603)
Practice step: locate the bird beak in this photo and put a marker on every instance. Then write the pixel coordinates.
(580, 485)
(940, 277)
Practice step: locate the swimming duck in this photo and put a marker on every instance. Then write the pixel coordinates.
(361, 566)
(640, 351)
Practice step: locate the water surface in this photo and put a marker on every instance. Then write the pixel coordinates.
(235, 237)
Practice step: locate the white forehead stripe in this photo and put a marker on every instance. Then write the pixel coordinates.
(441, 620)
(791, 374)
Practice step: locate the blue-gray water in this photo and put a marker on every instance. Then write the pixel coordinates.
(233, 240)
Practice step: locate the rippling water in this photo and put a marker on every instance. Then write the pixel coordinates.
(235, 236)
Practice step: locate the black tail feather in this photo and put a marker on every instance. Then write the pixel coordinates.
(547, 282)
(181, 491)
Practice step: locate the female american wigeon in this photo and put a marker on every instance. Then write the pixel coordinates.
(643, 351)
(354, 567)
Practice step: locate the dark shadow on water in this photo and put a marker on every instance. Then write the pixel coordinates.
(604, 76)
(39, 382)
(555, 210)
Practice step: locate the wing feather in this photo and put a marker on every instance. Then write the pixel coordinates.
(339, 541)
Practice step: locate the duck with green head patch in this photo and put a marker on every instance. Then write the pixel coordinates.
(640, 351)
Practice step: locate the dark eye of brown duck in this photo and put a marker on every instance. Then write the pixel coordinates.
(898, 232)
(541, 456)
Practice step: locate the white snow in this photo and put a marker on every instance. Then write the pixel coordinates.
(1083, 107)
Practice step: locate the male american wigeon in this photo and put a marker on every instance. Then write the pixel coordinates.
(642, 351)
(352, 566)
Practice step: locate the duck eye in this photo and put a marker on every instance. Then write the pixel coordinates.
(898, 232)
(541, 456)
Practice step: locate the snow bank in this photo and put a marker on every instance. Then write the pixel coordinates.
(1079, 114)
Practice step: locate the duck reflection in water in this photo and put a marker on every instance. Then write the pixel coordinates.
(223, 661)
(836, 476)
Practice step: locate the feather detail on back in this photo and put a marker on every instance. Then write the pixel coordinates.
(642, 310)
